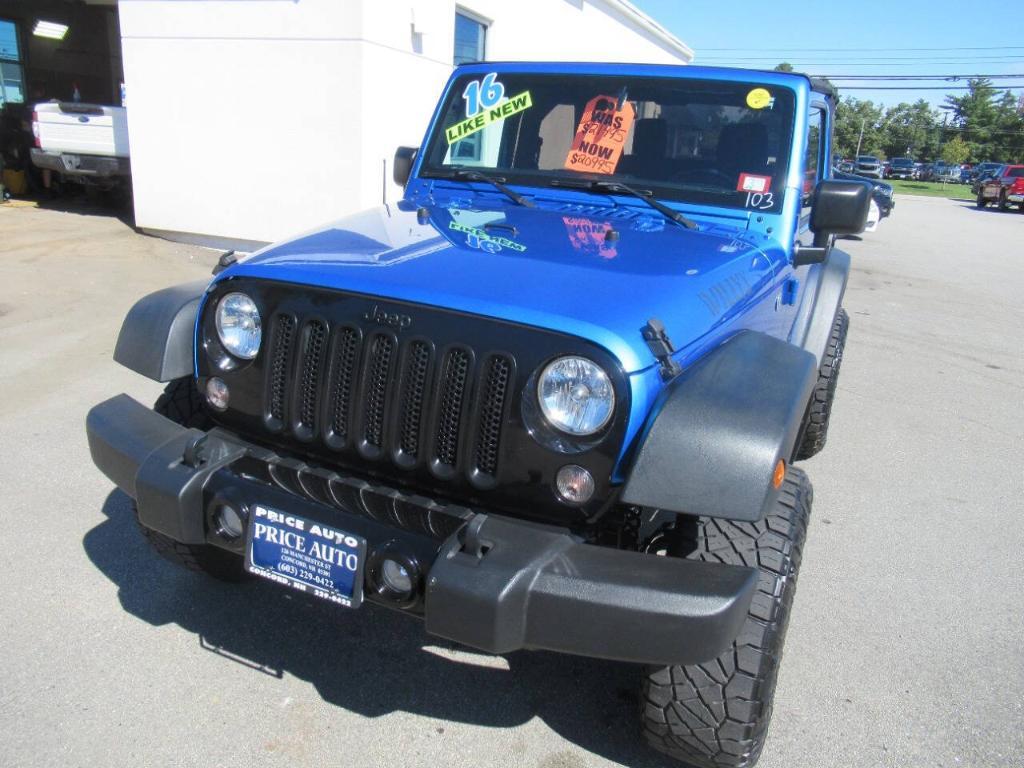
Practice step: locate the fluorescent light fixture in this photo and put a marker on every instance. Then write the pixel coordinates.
(50, 29)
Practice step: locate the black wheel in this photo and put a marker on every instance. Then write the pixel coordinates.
(716, 714)
(182, 404)
(815, 427)
(1003, 205)
(981, 200)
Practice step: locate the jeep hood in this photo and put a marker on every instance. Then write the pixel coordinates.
(549, 266)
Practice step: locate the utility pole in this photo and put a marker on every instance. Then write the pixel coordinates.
(860, 138)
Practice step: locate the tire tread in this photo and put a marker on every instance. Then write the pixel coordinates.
(716, 714)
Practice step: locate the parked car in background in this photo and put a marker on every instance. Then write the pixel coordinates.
(983, 176)
(926, 172)
(984, 168)
(881, 197)
(1004, 189)
(900, 168)
(965, 176)
(943, 171)
(846, 166)
(868, 166)
(85, 143)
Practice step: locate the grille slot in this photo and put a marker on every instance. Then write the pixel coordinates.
(312, 364)
(345, 356)
(453, 393)
(382, 350)
(284, 330)
(414, 386)
(492, 414)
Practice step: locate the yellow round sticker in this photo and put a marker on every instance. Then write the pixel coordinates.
(758, 98)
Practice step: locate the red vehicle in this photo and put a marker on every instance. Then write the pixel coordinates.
(1005, 188)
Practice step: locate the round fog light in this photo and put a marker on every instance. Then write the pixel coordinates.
(575, 484)
(217, 393)
(229, 522)
(395, 577)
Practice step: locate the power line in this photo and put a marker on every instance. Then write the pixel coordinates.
(918, 87)
(896, 48)
(918, 77)
(864, 59)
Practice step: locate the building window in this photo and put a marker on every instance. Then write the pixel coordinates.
(12, 74)
(470, 34)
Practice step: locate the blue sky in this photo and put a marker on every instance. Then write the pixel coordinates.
(864, 37)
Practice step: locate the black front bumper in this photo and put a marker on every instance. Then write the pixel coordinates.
(490, 582)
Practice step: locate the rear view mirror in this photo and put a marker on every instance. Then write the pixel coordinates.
(402, 169)
(840, 207)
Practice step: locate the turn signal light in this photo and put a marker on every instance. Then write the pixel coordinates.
(779, 475)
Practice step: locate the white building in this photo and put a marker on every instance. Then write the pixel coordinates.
(251, 120)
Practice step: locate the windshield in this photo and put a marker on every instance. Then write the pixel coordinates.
(867, 159)
(902, 162)
(1015, 173)
(701, 141)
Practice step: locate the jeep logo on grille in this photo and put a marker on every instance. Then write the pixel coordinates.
(397, 321)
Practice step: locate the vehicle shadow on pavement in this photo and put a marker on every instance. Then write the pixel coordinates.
(972, 206)
(372, 661)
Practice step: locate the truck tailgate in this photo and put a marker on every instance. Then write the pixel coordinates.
(81, 128)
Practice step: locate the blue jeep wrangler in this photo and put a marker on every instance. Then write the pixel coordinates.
(550, 400)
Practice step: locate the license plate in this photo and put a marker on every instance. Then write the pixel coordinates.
(71, 162)
(305, 555)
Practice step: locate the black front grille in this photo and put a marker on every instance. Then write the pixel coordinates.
(492, 414)
(312, 365)
(385, 396)
(414, 387)
(434, 402)
(382, 349)
(284, 328)
(453, 394)
(346, 354)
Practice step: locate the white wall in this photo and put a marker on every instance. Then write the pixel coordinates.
(255, 119)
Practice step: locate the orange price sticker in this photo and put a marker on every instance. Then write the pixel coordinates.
(600, 136)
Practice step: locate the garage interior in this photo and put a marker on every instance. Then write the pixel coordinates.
(49, 49)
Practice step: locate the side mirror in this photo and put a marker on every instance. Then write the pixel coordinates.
(840, 207)
(402, 169)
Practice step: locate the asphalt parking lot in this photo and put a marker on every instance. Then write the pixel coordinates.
(905, 647)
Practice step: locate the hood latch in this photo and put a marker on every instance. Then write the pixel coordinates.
(661, 347)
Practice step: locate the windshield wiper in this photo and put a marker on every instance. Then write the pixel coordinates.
(498, 182)
(642, 194)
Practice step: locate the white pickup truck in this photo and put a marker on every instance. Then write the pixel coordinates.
(86, 143)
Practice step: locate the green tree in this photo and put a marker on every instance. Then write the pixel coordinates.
(955, 151)
(851, 116)
(976, 116)
(910, 130)
(784, 66)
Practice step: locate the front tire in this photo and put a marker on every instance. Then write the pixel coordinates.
(182, 404)
(716, 714)
(1003, 205)
(981, 200)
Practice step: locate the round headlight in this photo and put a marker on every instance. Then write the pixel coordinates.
(575, 395)
(238, 325)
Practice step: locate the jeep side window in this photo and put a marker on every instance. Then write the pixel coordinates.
(812, 159)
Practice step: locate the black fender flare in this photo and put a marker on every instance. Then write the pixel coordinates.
(719, 429)
(823, 295)
(157, 335)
